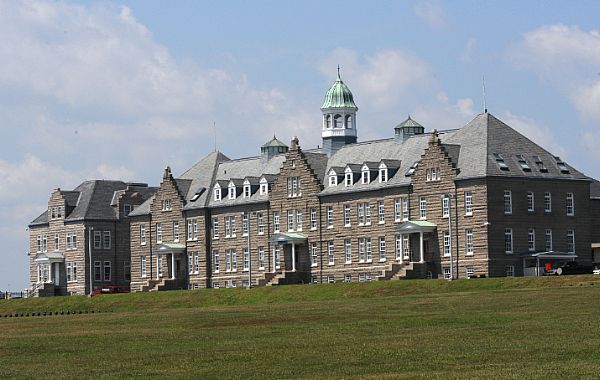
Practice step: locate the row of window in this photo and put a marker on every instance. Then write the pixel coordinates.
(70, 242)
(246, 189)
(365, 176)
(525, 166)
(531, 240)
(569, 202)
(470, 271)
(102, 239)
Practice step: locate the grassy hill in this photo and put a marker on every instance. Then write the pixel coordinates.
(509, 328)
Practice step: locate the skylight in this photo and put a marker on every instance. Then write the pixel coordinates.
(540, 164)
(523, 163)
(500, 161)
(412, 169)
(561, 165)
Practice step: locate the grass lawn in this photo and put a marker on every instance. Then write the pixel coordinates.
(485, 328)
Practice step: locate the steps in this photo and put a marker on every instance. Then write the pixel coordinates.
(405, 270)
(159, 285)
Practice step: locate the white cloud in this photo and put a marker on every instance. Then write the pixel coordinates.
(433, 14)
(467, 54)
(541, 135)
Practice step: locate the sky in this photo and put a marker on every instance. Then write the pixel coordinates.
(121, 89)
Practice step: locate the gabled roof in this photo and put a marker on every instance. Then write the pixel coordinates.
(274, 142)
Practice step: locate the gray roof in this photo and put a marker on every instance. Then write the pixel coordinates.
(595, 189)
(274, 142)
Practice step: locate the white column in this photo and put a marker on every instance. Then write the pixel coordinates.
(293, 257)
(422, 259)
(157, 269)
(401, 248)
(274, 268)
(172, 266)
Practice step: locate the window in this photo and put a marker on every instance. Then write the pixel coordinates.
(381, 212)
(531, 240)
(165, 205)
(524, 165)
(332, 179)
(159, 265)
(508, 241)
(290, 220)
(228, 260)
(277, 256)
(264, 187)
(348, 251)
(298, 220)
(97, 239)
(447, 273)
(71, 272)
(510, 271)
(143, 268)
(193, 262)
(406, 246)
(260, 223)
(293, 187)
(561, 165)
(570, 204)
(365, 175)
(216, 285)
(71, 240)
(412, 169)
(56, 242)
(469, 241)
(468, 203)
(548, 240)
(530, 202)
(55, 213)
(382, 248)
(346, 215)
(216, 263)
(313, 255)
(422, 208)
(361, 250)
(246, 192)
(245, 224)
(330, 279)
(107, 271)
(507, 202)
(383, 173)
(142, 234)
(446, 243)
(261, 258)
(348, 177)
(398, 247)
(570, 241)
(445, 207)
(470, 271)
(397, 210)
(233, 260)
(329, 216)
(230, 226)
(547, 202)
(500, 161)
(97, 271)
(369, 250)
(405, 210)
(127, 209)
(432, 174)
(106, 240)
(360, 214)
(367, 213)
(275, 221)
(246, 257)
(175, 231)
(158, 233)
(230, 283)
(330, 252)
(313, 218)
(39, 243)
(347, 278)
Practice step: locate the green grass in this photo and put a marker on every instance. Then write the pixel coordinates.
(500, 328)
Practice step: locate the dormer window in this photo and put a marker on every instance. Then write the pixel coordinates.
(540, 164)
(500, 161)
(561, 165)
(365, 175)
(246, 189)
(232, 191)
(412, 169)
(383, 173)
(217, 193)
(348, 177)
(264, 187)
(332, 178)
(524, 165)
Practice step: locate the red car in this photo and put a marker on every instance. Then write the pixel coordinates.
(110, 289)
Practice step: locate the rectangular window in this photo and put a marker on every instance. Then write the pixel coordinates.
(143, 268)
(468, 203)
(71, 240)
(313, 218)
(406, 246)
(260, 223)
(298, 220)
(158, 233)
(39, 243)
(360, 214)
(69, 271)
(107, 271)
(215, 228)
(216, 263)
(159, 265)
(97, 271)
(548, 240)
(246, 259)
(382, 248)
(293, 186)
(190, 263)
(233, 230)
(44, 243)
(530, 202)
(570, 204)
(329, 217)
(97, 239)
(397, 210)
(369, 250)
(469, 241)
(398, 247)
(330, 252)
(290, 220)
(175, 231)
(365, 177)
(422, 208)
(446, 243)
(510, 271)
(347, 278)
(313, 279)
(531, 240)
(405, 210)
(313, 255)
(196, 262)
(106, 240)
(330, 279)
(447, 273)
(507, 202)
(470, 271)
(346, 215)
(233, 260)
(547, 202)
(227, 227)
(445, 207)
(261, 258)
(277, 256)
(508, 241)
(367, 213)
(195, 229)
(381, 212)
(348, 251)
(361, 250)
(189, 230)
(276, 221)
(570, 241)
(56, 242)
(166, 205)
(142, 234)
(245, 224)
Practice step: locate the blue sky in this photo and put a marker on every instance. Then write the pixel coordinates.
(118, 90)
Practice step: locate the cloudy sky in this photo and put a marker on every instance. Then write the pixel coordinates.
(118, 90)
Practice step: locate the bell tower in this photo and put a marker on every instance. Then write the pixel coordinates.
(339, 117)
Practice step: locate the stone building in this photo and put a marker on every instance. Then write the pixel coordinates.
(83, 238)
(481, 200)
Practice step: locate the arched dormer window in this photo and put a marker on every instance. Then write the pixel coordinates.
(217, 192)
(264, 186)
(383, 173)
(337, 121)
(348, 121)
(232, 191)
(365, 175)
(328, 121)
(332, 178)
(348, 180)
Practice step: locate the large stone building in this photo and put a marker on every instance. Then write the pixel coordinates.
(482, 200)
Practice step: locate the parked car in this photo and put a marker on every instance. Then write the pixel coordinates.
(596, 271)
(110, 289)
(572, 267)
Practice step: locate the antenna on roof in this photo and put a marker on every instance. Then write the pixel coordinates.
(484, 99)
(215, 134)
(338, 71)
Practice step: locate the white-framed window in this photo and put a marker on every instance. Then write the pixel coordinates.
(360, 212)
(369, 250)
(195, 229)
(260, 223)
(445, 207)
(165, 205)
(397, 210)
(313, 218)
(261, 258)
(432, 174)
(71, 238)
(246, 192)
(232, 191)
(510, 271)
(570, 241)
(143, 268)
(230, 226)
(277, 256)
(570, 204)
(547, 202)
(233, 260)
(330, 279)
(329, 216)
(276, 221)
(313, 255)
(508, 241)
(245, 224)
(365, 177)
(246, 258)
(216, 263)
(362, 277)
(548, 240)
(468, 203)
(159, 233)
(298, 220)
(382, 256)
(175, 231)
(107, 271)
(290, 220)
(447, 273)
(422, 208)
(362, 249)
(349, 180)
(293, 187)
(531, 240)
(264, 186)
(383, 173)
(446, 243)
(347, 277)
(106, 240)
(470, 272)
(330, 253)
(71, 271)
(142, 234)
(398, 247)
(55, 212)
(530, 202)
(159, 265)
(348, 250)
(193, 263)
(406, 246)
(507, 202)
(381, 212)
(346, 215)
(97, 270)
(216, 284)
(367, 213)
(332, 179)
(194, 226)
(97, 239)
(469, 241)
(228, 260)
(56, 242)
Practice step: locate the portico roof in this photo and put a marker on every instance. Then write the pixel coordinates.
(169, 247)
(550, 255)
(288, 237)
(50, 257)
(414, 226)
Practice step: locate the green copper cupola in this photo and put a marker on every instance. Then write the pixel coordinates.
(339, 117)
